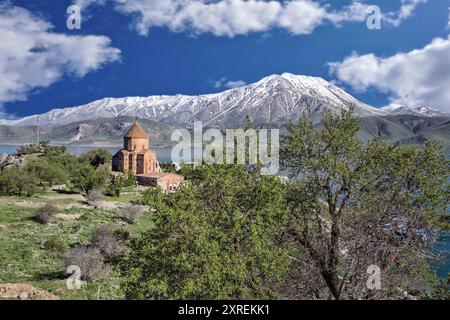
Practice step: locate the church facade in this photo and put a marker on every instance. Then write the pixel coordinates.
(137, 157)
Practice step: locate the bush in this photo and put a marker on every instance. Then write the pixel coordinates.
(113, 189)
(45, 214)
(131, 212)
(15, 181)
(89, 260)
(110, 245)
(95, 198)
(54, 245)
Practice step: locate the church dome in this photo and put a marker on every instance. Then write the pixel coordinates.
(137, 132)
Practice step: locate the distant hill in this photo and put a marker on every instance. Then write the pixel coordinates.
(92, 132)
(411, 129)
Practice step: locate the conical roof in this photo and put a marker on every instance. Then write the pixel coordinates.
(137, 132)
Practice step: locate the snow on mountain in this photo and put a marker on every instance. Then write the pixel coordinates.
(276, 99)
(401, 109)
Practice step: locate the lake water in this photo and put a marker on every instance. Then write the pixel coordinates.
(164, 155)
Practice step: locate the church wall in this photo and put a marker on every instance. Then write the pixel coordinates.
(135, 144)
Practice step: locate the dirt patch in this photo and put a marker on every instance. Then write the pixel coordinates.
(24, 291)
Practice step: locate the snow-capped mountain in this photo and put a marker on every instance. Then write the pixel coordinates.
(276, 99)
(424, 111)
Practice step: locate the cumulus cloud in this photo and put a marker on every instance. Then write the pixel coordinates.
(240, 17)
(32, 56)
(418, 77)
(225, 84)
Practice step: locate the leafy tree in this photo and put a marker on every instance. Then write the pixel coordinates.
(49, 174)
(53, 151)
(16, 181)
(86, 178)
(214, 239)
(96, 157)
(352, 205)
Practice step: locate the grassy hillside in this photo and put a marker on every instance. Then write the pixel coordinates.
(32, 253)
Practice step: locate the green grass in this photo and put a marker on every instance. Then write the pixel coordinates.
(124, 198)
(33, 253)
(59, 199)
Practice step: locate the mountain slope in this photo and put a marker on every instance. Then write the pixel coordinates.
(276, 99)
(91, 132)
(401, 109)
(410, 129)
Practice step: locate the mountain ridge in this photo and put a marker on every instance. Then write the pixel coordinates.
(274, 99)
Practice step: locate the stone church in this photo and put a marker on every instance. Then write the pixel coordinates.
(137, 157)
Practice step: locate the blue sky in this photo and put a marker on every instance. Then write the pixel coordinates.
(141, 51)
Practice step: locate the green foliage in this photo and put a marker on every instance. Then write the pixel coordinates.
(86, 178)
(43, 147)
(96, 157)
(48, 173)
(29, 149)
(16, 181)
(120, 182)
(212, 239)
(345, 193)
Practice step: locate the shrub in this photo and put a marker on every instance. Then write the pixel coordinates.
(89, 259)
(15, 181)
(95, 198)
(131, 212)
(110, 245)
(45, 214)
(54, 245)
(113, 189)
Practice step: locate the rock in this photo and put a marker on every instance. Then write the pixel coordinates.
(20, 160)
(24, 291)
(23, 295)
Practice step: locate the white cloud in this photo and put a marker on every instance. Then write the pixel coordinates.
(418, 77)
(223, 83)
(32, 56)
(240, 17)
(407, 9)
(235, 84)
